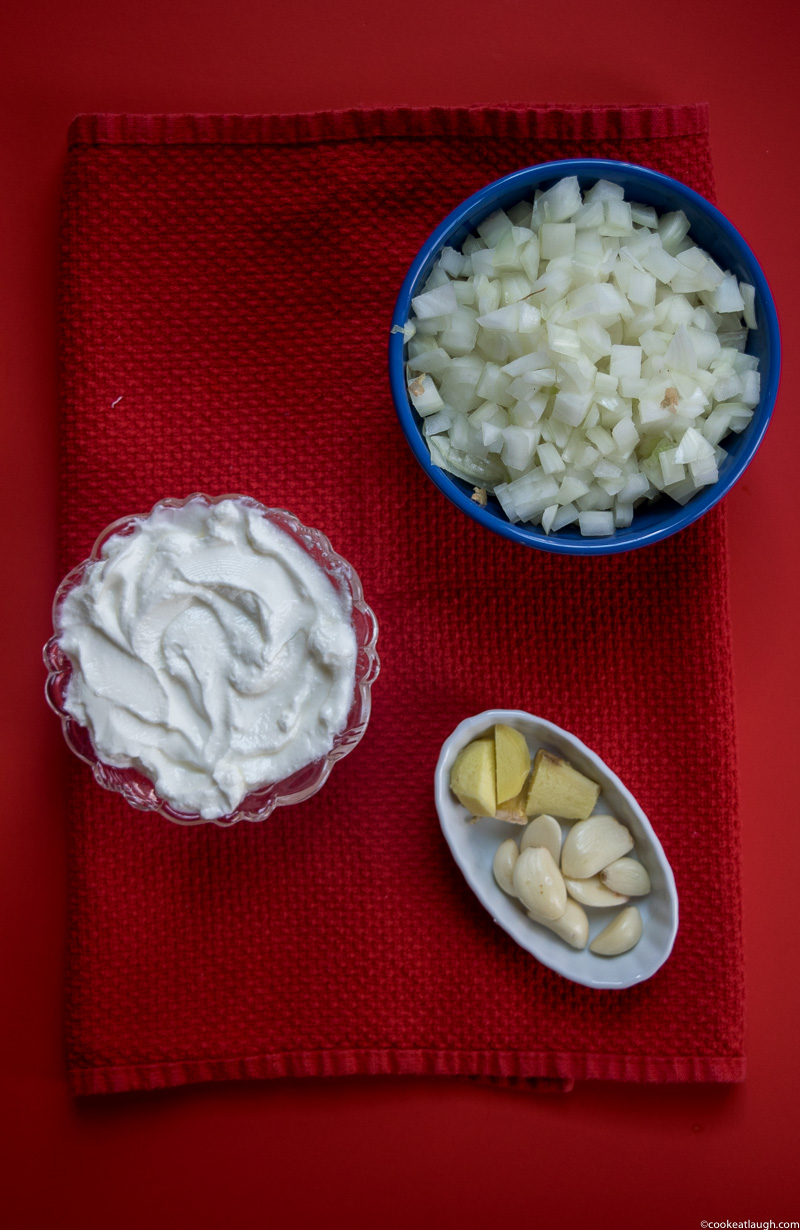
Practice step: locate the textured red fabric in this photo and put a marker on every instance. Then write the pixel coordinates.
(227, 286)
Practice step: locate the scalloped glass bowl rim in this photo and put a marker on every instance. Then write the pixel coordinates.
(481, 204)
(137, 789)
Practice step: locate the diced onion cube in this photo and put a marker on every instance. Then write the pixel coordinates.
(626, 361)
(727, 297)
(493, 227)
(562, 200)
(704, 471)
(571, 407)
(505, 318)
(424, 395)
(436, 423)
(550, 458)
(548, 516)
(518, 447)
(557, 239)
(749, 300)
(453, 262)
(439, 302)
(751, 388)
(673, 229)
(625, 436)
(596, 524)
(618, 219)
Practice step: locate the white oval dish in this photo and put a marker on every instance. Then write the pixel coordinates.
(473, 845)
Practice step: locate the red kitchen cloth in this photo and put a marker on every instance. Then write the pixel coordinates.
(227, 287)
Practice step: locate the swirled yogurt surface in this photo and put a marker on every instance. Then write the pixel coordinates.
(210, 652)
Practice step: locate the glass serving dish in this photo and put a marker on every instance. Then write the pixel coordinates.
(137, 789)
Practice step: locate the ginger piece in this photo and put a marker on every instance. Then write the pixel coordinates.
(559, 790)
(512, 761)
(472, 777)
(513, 810)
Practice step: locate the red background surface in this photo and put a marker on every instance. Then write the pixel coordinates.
(365, 1151)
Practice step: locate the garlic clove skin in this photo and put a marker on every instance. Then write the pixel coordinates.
(621, 934)
(572, 926)
(505, 857)
(539, 884)
(593, 892)
(626, 876)
(592, 844)
(543, 831)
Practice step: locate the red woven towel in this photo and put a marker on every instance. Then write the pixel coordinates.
(227, 287)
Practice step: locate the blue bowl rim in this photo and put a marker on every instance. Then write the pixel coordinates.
(683, 515)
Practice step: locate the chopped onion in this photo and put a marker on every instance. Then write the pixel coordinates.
(579, 356)
(749, 299)
(596, 524)
(437, 423)
(424, 395)
(438, 302)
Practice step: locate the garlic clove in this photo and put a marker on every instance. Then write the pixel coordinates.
(592, 844)
(503, 866)
(626, 876)
(572, 926)
(539, 884)
(543, 831)
(593, 892)
(621, 934)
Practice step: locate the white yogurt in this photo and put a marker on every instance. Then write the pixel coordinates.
(210, 652)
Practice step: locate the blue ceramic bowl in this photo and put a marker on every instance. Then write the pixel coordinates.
(712, 232)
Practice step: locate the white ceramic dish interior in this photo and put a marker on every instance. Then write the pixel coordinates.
(473, 846)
